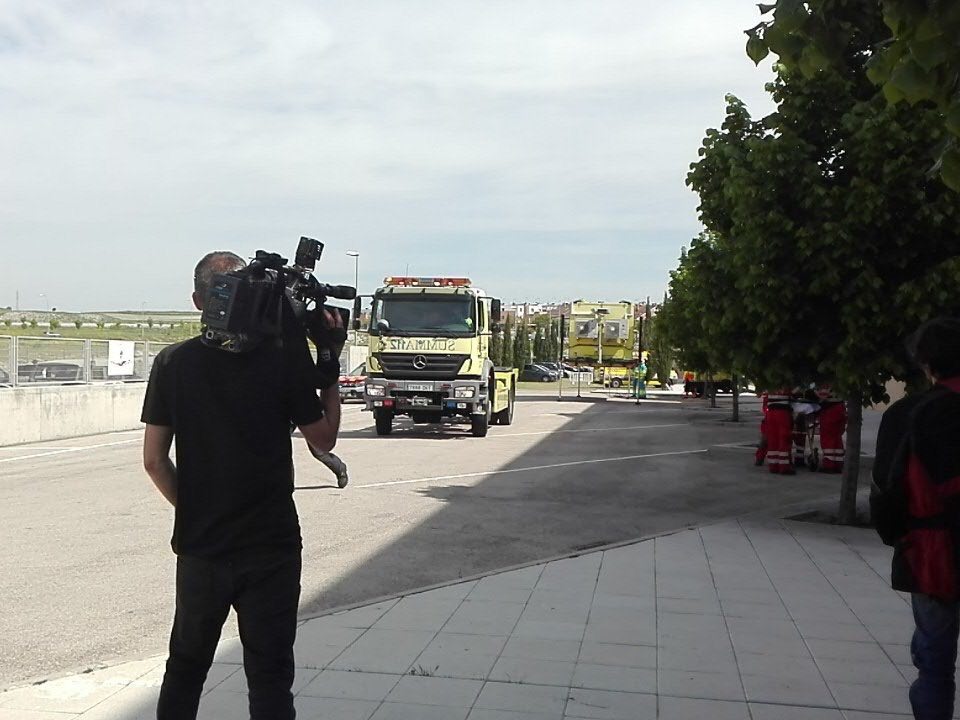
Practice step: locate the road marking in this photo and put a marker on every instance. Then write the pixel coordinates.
(613, 429)
(69, 450)
(21, 448)
(526, 469)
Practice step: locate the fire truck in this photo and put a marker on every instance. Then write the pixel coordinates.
(429, 343)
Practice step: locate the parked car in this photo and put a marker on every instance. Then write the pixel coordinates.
(551, 366)
(351, 384)
(537, 373)
(50, 371)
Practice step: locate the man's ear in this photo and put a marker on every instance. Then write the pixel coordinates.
(198, 301)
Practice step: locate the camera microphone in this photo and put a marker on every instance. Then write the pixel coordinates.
(341, 292)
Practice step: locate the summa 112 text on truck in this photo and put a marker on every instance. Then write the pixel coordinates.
(429, 342)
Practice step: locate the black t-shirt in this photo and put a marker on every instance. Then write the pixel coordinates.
(231, 416)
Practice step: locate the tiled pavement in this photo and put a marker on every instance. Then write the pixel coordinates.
(748, 620)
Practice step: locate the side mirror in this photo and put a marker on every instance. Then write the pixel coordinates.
(496, 311)
(356, 313)
(383, 326)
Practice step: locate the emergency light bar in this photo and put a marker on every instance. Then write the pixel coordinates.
(427, 281)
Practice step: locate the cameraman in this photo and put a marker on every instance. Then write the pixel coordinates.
(236, 533)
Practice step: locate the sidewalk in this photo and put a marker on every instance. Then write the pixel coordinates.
(761, 619)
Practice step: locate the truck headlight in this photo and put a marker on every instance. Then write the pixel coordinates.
(376, 390)
(464, 392)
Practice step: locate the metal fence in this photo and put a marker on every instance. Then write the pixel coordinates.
(29, 361)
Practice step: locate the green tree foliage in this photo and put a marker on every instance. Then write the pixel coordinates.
(910, 48)
(78, 323)
(8, 322)
(496, 346)
(33, 322)
(521, 344)
(553, 344)
(507, 349)
(826, 230)
(539, 346)
(659, 344)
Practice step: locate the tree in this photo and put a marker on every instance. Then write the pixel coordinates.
(837, 240)
(659, 344)
(33, 322)
(539, 350)
(553, 344)
(78, 323)
(7, 322)
(909, 47)
(521, 344)
(150, 322)
(496, 346)
(507, 348)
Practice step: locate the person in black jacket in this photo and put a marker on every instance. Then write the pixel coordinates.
(918, 456)
(236, 533)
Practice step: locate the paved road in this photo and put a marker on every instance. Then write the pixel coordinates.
(87, 573)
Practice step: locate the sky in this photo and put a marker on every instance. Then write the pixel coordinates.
(539, 147)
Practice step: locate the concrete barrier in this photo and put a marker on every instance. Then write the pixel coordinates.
(32, 414)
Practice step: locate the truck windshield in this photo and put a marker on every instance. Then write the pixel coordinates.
(444, 316)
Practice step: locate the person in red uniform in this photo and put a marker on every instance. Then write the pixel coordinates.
(833, 424)
(779, 427)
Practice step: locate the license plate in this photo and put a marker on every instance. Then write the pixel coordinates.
(420, 401)
(419, 387)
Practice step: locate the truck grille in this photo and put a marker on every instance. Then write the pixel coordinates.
(398, 366)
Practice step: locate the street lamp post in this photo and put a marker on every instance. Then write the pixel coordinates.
(356, 281)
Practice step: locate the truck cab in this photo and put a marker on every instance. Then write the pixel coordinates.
(429, 343)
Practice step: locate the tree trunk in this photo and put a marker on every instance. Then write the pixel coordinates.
(847, 512)
(736, 397)
(710, 390)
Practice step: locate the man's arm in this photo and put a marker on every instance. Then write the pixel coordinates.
(156, 460)
(322, 434)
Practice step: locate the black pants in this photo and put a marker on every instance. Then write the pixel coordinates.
(264, 588)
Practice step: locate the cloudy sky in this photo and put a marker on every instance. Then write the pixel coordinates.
(538, 146)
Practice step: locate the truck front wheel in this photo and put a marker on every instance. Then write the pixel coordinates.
(479, 424)
(384, 421)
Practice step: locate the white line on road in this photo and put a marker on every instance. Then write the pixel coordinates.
(69, 450)
(526, 469)
(585, 430)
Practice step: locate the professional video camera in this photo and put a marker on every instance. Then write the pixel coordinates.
(244, 307)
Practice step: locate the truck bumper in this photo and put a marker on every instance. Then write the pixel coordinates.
(447, 397)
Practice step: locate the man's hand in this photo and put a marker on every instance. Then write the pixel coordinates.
(156, 460)
(329, 336)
